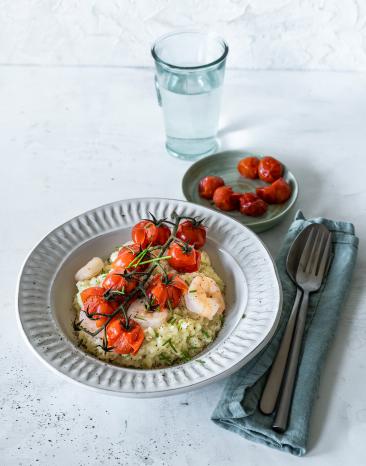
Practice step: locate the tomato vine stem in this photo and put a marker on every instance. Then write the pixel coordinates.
(138, 260)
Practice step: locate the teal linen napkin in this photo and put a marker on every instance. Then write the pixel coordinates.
(237, 409)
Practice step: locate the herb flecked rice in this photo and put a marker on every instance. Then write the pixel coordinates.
(178, 340)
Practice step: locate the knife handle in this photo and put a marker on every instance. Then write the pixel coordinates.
(271, 390)
(283, 411)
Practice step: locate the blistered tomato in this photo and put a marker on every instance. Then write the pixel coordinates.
(184, 258)
(95, 305)
(269, 169)
(248, 167)
(166, 291)
(127, 258)
(192, 232)
(118, 280)
(124, 341)
(277, 193)
(147, 233)
(225, 199)
(252, 205)
(208, 185)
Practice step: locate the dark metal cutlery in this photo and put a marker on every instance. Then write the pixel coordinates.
(273, 384)
(307, 264)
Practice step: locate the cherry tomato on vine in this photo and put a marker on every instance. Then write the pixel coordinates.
(208, 185)
(184, 258)
(124, 341)
(90, 292)
(276, 193)
(126, 258)
(166, 291)
(225, 199)
(269, 169)
(248, 167)
(163, 233)
(192, 232)
(148, 233)
(252, 205)
(117, 279)
(94, 303)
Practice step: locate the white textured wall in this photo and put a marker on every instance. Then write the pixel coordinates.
(262, 34)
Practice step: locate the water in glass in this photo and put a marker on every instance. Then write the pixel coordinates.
(190, 97)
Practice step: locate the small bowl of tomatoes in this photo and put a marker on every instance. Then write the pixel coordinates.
(258, 191)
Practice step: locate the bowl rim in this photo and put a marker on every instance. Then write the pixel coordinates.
(152, 393)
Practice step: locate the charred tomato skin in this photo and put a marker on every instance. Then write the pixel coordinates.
(252, 205)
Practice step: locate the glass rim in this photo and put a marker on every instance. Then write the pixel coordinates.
(179, 67)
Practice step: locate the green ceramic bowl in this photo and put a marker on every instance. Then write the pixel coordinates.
(224, 164)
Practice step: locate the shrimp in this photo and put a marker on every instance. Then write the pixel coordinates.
(145, 318)
(204, 297)
(88, 324)
(90, 269)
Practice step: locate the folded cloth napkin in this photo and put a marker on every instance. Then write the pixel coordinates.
(237, 409)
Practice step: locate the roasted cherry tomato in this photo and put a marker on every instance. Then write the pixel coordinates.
(94, 303)
(92, 291)
(118, 279)
(126, 258)
(277, 193)
(184, 258)
(124, 341)
(225, 199)
(252, 205)
(208, 185)
(248, 167)
(163, 233)
(192, 232)
(269, 169)
(147, 233)
(166, 291)
(101, 308)
(236, 199)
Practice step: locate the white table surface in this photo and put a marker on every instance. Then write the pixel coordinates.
(74, 138)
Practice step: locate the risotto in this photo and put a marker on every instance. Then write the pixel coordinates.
(149, 312)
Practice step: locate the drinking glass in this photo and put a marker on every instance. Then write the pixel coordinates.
(190, 68)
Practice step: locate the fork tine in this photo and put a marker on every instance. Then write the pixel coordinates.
(322, 243)
(315, 253)
(325, 257)
(306, 252)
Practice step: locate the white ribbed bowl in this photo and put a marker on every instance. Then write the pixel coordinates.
(46, 288)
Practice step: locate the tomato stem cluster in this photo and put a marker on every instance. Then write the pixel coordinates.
(140, 288)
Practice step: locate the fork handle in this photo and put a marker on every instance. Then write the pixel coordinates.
(273, 384)
(281, 419)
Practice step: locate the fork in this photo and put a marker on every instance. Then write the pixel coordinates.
(309, 277)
